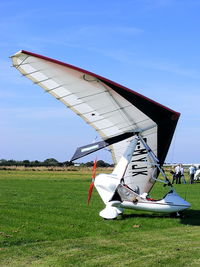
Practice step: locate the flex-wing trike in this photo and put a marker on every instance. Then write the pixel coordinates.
(137, 130)
(117, 196)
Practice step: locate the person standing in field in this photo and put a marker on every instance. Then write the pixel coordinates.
(182, 174)
(178, 174)
(197, 174)
(173, 175)
(192, 171)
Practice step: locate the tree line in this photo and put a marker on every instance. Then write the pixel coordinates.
(51, 162)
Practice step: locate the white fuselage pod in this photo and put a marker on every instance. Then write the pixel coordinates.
(171, 203)
(118, 196)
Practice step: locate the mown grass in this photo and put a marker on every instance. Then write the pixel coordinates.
(45, 221)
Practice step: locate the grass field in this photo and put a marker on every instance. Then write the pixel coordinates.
(45, 221)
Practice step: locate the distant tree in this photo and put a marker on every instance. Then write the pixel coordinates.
(51, 162)
(3, 162)
(26, 163)
(89, 164)
(11, 162)
(36, 163)
(101, 163)
(68, 163)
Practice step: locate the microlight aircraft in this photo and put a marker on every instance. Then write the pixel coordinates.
(137, 130)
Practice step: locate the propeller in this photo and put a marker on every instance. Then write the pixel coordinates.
(93, 178)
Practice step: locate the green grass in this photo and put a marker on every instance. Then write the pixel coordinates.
(45, 221)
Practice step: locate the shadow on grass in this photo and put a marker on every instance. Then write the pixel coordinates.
(143, 215)
(188, 217)
(191, 217)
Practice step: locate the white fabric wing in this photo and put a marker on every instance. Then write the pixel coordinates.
(99, 105)
(109, 108)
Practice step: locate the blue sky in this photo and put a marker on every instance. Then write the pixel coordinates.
(150, 46)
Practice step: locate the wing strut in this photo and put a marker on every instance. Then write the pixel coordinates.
(155, 162)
